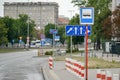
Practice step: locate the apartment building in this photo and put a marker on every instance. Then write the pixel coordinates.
(41, 12)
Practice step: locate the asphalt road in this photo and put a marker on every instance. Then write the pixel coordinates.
(21, 66)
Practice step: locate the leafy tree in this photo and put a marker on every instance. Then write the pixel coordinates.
(18, 27)
(101, 12)
(61, 33)
(76, 39)
(47, 30)
(21, 27)
(79, 2)
(107, 29)
(116, 23)
(3, 33)
(111, 25)
(11, 29)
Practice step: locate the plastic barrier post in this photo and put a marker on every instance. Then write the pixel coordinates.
(50, 62)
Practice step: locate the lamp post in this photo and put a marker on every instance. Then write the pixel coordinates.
(28, 30)
(28, 34)
(71, 36)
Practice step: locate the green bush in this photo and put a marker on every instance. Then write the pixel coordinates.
(49, 53)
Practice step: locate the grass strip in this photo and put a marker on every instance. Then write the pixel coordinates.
(92, 62)
(7, 50)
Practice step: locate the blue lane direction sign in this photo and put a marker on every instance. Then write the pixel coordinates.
(87, 15)
(76, 30)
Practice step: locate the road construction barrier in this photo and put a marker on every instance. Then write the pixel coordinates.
(75, 67)
(98, 74)
(50, 62)
(109, 75)
(103, 75)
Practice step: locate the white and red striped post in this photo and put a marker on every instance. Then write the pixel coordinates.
(103, 75)
(98, 74)
(50, 62)
(75, 67)
(109, 75)
(79, 69)
(82, 71)
(68, 65)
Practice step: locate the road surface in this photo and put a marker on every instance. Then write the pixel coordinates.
(23, 65)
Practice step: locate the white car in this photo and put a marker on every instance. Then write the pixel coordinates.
(47, 44)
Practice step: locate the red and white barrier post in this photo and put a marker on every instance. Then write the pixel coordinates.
(75, 67)
(103, 75)
(109, 75)
(82, 71)
(50, 62)
(98, 74)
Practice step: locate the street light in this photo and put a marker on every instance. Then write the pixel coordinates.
(71, 36)
(28, 34)
(28, 30)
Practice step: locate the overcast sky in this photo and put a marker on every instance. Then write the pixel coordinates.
(65, 6)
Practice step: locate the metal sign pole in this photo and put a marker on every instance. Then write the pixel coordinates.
(86, 50)
(71, 47)
(53, 45)
(53, 55)
(86, 18)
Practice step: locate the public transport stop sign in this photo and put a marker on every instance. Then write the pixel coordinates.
(87, 15)
(86, 18)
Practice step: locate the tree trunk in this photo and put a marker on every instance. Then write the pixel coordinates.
(94, 46)
(98, 44)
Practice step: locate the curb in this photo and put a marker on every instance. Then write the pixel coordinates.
(54, 75)
(45, 77)
(49, 74)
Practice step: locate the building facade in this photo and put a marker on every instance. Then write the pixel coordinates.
(63, 20)
(114, 4)
(41, 12)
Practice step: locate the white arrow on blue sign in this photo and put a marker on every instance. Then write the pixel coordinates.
(76, 30)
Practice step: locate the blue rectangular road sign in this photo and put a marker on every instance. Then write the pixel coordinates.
(57, 38)
(77, 30)
(87, 15)
(53, 31)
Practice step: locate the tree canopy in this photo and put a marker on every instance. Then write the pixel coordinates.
(13, 29)
(101, 12)
(111, 25)
(3, 33)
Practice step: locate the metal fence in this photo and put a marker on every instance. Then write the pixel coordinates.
(115, 48)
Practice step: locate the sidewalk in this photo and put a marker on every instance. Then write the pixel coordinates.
(58, 72)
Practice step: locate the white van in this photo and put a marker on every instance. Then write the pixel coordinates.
(35, 43)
